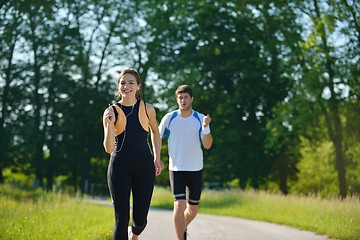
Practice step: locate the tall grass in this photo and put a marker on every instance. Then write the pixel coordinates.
(41, 216)
(339, 219)
(56, 216)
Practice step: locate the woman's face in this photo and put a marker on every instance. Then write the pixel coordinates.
(184, 101)
(128, 86)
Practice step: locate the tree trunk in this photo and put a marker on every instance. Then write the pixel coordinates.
(1, 175)
(4, 139)
(333, 116)
(282, 175)
(340, 167)
(38, 136)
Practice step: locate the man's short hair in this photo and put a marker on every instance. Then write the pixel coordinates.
(183, 89)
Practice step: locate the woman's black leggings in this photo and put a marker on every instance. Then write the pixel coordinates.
(138, 176)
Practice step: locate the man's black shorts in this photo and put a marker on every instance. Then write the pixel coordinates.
(181, 181)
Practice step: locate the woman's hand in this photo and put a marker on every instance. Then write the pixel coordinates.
(158, 167)
(109, 115)
(109, 135)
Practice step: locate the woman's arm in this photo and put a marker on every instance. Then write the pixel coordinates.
(155, 138)
(109, 135)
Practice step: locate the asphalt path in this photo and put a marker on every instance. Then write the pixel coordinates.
(210, 227)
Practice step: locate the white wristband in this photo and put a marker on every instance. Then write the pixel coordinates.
(206, 130)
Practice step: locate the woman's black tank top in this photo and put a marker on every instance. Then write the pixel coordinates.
(133, 142)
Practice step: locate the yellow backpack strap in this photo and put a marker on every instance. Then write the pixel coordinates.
(143, 116)
(120, 120)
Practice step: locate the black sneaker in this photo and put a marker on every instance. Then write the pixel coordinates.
(186, 235)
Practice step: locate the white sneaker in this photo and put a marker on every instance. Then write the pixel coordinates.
(129, 232)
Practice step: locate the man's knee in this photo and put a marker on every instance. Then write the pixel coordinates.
(192, 209)
(179, 205)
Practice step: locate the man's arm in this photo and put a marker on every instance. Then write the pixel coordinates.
(207, 137)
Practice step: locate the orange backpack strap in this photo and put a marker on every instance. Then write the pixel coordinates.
(143, 116)
(120, 120)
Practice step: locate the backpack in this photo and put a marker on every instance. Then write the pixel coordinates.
(174, 115)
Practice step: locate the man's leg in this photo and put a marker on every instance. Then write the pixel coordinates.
(179, 218)
(194, 183)
(190, 213)
(178, 188)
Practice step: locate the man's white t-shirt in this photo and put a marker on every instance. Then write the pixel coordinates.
(185, 150)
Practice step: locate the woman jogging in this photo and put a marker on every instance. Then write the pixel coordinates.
(132, 166)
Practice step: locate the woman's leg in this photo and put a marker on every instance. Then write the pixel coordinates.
(142, 189)
(119, 185)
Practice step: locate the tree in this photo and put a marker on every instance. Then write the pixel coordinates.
(324, 76)
(237, 53)
(10, 19)
(64, 81)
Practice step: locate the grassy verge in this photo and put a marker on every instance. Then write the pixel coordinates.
(41, 216)
(38, 215)
(334, 218)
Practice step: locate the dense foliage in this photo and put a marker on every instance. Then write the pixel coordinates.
(280, 80)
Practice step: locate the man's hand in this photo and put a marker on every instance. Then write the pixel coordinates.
(206, 121)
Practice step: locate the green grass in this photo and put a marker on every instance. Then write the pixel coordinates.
(331, 217)
(39, 215)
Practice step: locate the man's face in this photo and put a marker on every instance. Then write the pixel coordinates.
(184, 101)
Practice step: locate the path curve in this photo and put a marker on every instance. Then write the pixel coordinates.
(211, 227)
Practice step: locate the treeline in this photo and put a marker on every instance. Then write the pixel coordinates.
(280, 80)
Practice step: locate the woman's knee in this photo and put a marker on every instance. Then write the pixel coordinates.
(138, 227)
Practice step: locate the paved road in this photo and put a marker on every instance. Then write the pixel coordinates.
(210, 227)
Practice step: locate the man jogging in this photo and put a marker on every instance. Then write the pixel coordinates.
(188, 132)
